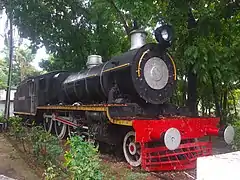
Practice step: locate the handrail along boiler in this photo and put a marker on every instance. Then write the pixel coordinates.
(123, 102)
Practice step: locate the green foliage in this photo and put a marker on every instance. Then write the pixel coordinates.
(136, 175)
(19, 131)
(236, 143)
(71, 30)
(16, 127)
(206, 40)
(46, 147)
(21, 66)
(52, 172)
(3, 74)
(82, 160)
(2, 119)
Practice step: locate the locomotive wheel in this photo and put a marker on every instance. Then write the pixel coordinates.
(94, 142)
(131, 149)
(85, 136)
(70, 130)
(47, 123)
(60, 129)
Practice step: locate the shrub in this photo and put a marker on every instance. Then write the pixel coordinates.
(46, 147)
(17, 130)
(82, 160)
(16, 127)
(2, 119)
(52, 172)
(3, 123)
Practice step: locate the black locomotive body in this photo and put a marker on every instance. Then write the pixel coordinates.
(117, 80)
(38, 91)
(123, 101)
(123, 79)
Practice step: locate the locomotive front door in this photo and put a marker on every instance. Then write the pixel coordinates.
(32, 94)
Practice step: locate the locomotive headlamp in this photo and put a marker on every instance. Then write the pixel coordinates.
(164, 35)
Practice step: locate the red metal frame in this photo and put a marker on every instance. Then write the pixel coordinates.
(156, 157)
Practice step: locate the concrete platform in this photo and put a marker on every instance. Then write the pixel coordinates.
(2, 177)
(220, 167)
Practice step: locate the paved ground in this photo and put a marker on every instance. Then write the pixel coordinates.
(11, 164)
(220, 147)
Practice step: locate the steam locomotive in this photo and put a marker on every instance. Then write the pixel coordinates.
(123, 101)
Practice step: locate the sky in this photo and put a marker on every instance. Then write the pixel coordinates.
(41, 53)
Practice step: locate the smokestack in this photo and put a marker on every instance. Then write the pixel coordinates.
(138, 38)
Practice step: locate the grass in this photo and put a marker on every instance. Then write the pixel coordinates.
(119, 171)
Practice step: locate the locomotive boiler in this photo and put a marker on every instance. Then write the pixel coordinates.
(123, 102)
(144, 74)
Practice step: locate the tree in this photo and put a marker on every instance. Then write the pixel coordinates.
(3, 74)
(71, 30)
(22, 67)
(201, 48)
(23, 58)
(206, 34)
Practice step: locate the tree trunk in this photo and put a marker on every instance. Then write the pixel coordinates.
(217, 105)
(192, 77)
(192, 92)
(121, 17)
(184, 97)
(184, 93)
(203, 108)
(225, 104)
(221, 100)
(176, 100)
(234, 104)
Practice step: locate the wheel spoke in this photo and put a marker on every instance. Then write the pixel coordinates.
(60, 129)
(47, 123)
(136, 157)
(131, 138)
(139, 152)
